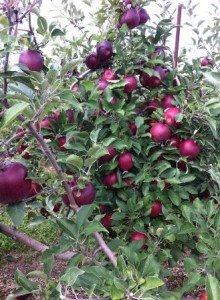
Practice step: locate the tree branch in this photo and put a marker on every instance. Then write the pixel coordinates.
(30, 242)
(177, 40)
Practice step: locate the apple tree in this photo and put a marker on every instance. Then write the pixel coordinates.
(114, 139)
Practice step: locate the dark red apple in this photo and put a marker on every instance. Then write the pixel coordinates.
(61, 142)
(133, 128)
(108, 74)
(66, 200)
(167, 101)
(57, 207)
(189, 148)
(144, 17)
(130, 17)
(151, 106)
(170, 116)
(69, 114)
(159, 51)
(14, 185)
(20, 132)
(113, 101)
(46, 123)
(32, 59)
(182, 165)
(93, 61)
(205, 62)
(108, 157)
(127, 2)
(131, 83)
(153, 81)
(21, 150)
(175, 141)
(107, 220)
(139, 236)
(35, 189)
(160, 132)
(156, 209)
(125, 161)
(104, 50)
(110, 179)
(102, 208)
(203, 295)
(84, 196)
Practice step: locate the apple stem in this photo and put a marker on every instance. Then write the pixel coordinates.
(177, 40)
(30, 242)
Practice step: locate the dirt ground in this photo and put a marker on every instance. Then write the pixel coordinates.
(29, 260)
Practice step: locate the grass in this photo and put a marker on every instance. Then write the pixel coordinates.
(44, 233)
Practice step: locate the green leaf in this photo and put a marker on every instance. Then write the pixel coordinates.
(71, 275)
(22, 281)
(16, 212)
(75, 160)
(42, 24)
(83, 214)
(68, 226)
(139, 121)
(94, 135)
(212, 288)
(12, 113)
(48, 260)
(152, 282)
(57, 32)
(94, 226)
(116, 294)
(174, 197)
(187, 178)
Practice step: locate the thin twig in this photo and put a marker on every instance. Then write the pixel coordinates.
(29, 9)
(177, 40)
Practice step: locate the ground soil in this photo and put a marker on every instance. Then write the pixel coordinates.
(29, 260)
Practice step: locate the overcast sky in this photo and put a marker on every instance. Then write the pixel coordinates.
(50, 9)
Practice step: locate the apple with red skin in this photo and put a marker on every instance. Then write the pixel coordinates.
(175, 141)
(14, 185)
(205, 62)
(22, 149)
(107, 220)
(66, 200)
(203, 295)
(160, 132)
(167, 185)
(93, 61)
(127, 2)
(156, 209)
(113, 101)
(130, 17)
(144, 17)
(69, 113)
(167, 101)
(35, 189)
(104, 50)
(46, 122)
(108, 157)
(170, 116)
(189, 148)
(159, 51)
(150, 122)
(131, 83)
(103, 208)
(32, 59)
(85, 195)
(182, 166)
(125, 161)
(151, 106)
(139, 236)
(133, 128)
(57, 207)
(108, 74)
(110, 179)
(61, 142)
(20, 132)
(153, 81)
(102, 85)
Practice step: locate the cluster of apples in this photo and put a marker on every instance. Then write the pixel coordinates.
(133, 16)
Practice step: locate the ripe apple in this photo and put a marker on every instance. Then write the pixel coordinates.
(35, 189)
(110, 179)
(14, 185)
(32, 59)
(130, 17)
(107, 220)
(45, 123)
(61, 142)
(170, 116)
(84, 196)
(108, 157)
(139, 236)
(144, 17)
(113, 101)
(205, 62)
(133, 128)
(108, 74)
(66, 200)
(203, 295)
(69, 115)
(92, 61)
(103, 208)
(160, 132)
(104, 50)
(131, 83)
(127, 2)
(156, 209)
(57, 207)
(175, 141)
(181, 165)
(151, 106)
(153, 81)
(20, 132)
(159, 51)
(21, 150)
(167, 101)
(189, 148)
(102, 85)
(125, 161)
